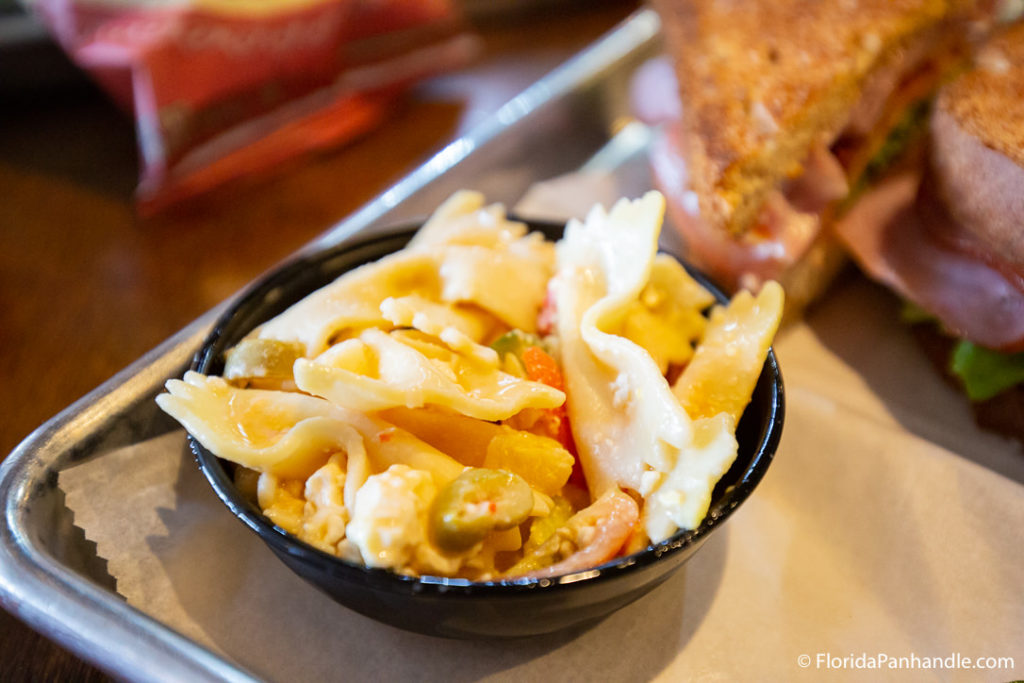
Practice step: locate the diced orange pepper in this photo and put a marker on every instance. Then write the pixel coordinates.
(541, 367)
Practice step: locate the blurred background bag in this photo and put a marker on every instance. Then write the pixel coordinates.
(225, 88)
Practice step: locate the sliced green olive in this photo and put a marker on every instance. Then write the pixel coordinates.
(262, 358)
(477, 502)
(515, 342)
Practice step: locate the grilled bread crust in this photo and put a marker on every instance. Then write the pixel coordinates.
(988, 101)
(978, 147)
(763, 82)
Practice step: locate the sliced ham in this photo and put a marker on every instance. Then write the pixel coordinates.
(822, 182)
(983, 187)
(898, 243)
(654, 92)
(788, 224)
(790, 219)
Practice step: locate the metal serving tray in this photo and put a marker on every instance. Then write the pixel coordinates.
(51, 576)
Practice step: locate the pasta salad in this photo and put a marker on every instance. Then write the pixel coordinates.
(487, 404)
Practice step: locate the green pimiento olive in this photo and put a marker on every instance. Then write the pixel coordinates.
(477, 502)
(262, 358)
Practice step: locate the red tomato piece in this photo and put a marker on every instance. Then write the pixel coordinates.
(601, 529)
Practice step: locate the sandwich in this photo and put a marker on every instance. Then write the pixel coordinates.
(956, 253)
(777, 118)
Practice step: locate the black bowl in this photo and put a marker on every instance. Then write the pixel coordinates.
(457, 607)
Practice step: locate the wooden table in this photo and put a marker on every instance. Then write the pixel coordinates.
(86, 287)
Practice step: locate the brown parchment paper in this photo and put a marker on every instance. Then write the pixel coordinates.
(887, 525)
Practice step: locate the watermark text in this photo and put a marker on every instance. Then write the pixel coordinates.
(823, 661)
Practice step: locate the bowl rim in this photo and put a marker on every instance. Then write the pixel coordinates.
(769, 436)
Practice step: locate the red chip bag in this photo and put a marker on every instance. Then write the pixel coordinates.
(223, 88)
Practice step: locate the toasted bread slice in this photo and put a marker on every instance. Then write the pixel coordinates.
(988, 100)
(761, 83)
(978, 147)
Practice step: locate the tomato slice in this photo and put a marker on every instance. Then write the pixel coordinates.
(600, 532)
(548, 317)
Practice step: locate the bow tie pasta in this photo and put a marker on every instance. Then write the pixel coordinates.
(487, 404)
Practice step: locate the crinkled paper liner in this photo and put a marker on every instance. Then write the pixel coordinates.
(887, 526)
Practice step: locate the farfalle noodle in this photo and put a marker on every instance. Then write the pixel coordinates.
(418, 420)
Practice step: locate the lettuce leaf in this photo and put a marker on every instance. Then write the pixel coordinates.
(984, 372)
(907, 130)
(912, 314)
